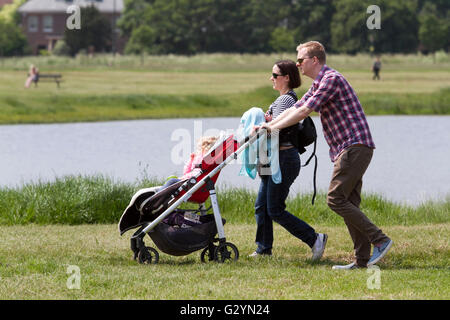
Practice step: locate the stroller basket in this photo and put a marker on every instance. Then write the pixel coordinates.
(178, 241)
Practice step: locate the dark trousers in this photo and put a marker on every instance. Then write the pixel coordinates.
(344, 198)
(271, 205)
(376, 74)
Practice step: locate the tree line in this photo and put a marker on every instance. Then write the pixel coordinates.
(253, 26)
(261, 26)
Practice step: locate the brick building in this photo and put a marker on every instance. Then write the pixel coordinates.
(44, 21)
(3, 2)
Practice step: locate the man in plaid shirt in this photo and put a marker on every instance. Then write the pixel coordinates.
(351, 148)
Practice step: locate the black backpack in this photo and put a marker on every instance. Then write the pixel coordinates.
(302, 135)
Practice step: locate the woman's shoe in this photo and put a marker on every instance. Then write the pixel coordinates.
(256, 254)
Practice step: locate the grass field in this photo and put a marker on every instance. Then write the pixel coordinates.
(35, 260)
(203, 86)
(48, 226)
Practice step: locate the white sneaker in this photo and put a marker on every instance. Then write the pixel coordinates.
(346, 267)
(256, 255)
(319, 246)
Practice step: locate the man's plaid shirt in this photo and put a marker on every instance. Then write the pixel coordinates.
(343, 120)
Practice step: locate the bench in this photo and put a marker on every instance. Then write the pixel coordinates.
(47, 77)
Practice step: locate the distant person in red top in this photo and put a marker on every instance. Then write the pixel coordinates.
(351, 148)
(33, 75)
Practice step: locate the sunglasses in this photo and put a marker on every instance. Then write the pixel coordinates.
(300, 61)
(276, 75)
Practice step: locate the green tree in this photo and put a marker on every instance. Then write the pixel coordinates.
(189, 27)
(311, 20)
(399, 27)
(348, 26)
(398, 33)
(282, 40)
(9, 12)
(95, 32)
(134, 15)
(227, 27)
(12, 40)
(61, 49)
(433, 30)
(186, 27)
(141, 40)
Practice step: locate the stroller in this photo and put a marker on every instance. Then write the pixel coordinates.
(178, 231)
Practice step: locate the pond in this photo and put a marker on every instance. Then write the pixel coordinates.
(410, 163)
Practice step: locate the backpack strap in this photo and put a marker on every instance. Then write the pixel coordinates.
(313, 155)
(290, 93)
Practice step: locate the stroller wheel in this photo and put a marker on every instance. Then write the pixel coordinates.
(208, 253)
(148, 255)
(226, 251)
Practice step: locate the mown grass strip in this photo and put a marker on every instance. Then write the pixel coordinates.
(63, 108)
(223, 62)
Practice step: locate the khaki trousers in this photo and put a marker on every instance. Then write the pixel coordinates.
(344, 198)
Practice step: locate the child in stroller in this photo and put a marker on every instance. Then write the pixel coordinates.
(204, 144)
(155, 210)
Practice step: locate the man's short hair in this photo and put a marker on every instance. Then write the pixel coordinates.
(314, 49)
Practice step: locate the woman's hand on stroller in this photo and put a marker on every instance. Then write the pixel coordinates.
(255, 129)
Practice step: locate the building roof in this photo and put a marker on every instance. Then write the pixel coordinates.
(3, 2)
(60, 6)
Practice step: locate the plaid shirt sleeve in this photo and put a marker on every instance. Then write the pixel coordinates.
(305, 97)
(327, 89)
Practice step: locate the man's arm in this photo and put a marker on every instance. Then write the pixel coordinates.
(288, 118)
(293, 116)
(312, 101)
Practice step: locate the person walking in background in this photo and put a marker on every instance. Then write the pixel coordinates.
(270, 204)
(33, 75)
(351, 148)
(376, 68)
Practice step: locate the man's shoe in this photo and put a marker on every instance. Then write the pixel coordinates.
(350, 266)
(319, 246)
(379, 252)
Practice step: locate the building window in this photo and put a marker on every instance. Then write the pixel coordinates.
(48, 24)
(32, 23)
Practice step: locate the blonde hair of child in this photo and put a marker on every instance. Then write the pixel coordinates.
(205, 143)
